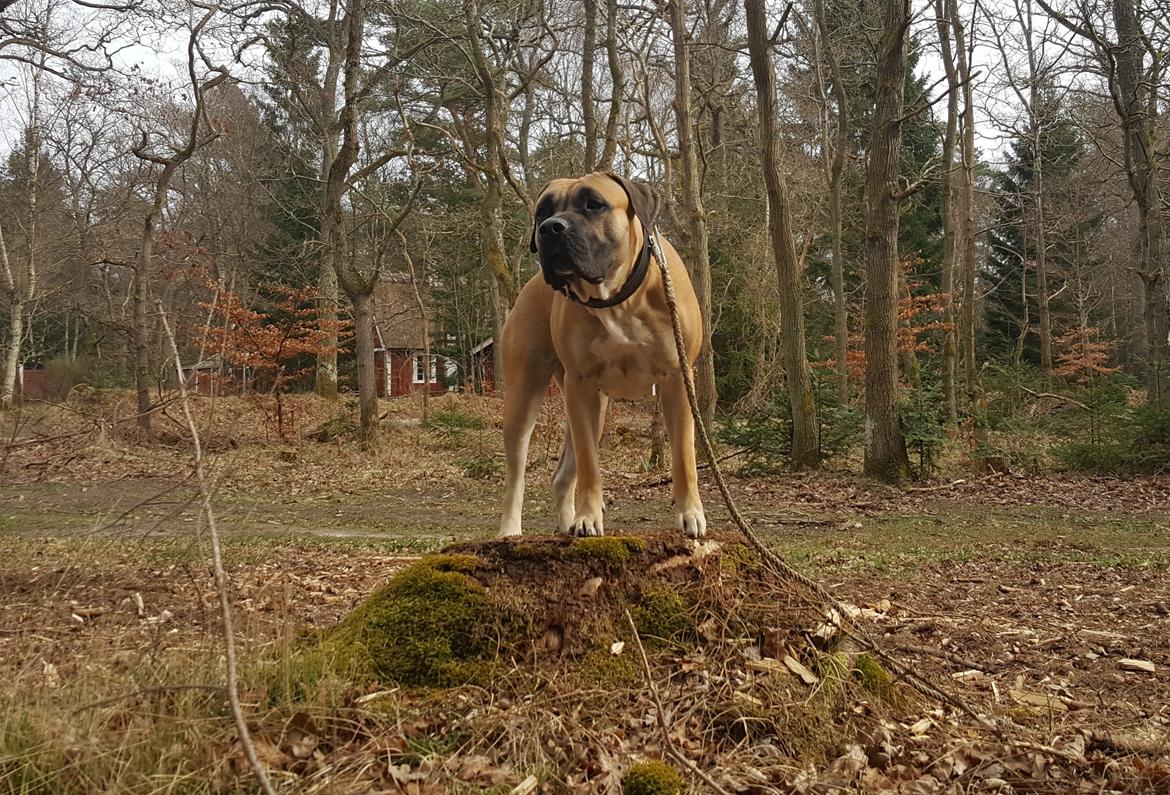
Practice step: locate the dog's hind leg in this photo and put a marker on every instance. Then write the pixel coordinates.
(522, 400)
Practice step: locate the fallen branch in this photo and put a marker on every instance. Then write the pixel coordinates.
(663, 721)
(221, 585)
(1055, 396)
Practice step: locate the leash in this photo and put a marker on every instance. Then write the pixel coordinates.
(836, 614)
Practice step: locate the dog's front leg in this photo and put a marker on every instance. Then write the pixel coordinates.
(584, 404)
(680, 425)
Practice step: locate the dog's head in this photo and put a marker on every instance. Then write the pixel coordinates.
(587, 228)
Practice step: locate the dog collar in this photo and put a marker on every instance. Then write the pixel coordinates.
(633, 281)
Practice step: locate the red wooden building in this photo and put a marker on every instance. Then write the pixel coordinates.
(399, 361)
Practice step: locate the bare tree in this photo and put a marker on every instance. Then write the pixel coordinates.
(885, 446)
(692, 200)
(20, 286)
(1133, 88)
(805, 445)
(834, 169)
(168, 166)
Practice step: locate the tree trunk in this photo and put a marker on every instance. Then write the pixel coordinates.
(966, 204)
(696, 216)
(909, 356)
(325, 383)
(618, 80)
(363, 337)
(885, 446)
(588, 109)
(1137, 107)
(950, 243)
(657, 435)
(835, 173)
(805, 444)
(326, 372)
(11, 347)
(141, 333)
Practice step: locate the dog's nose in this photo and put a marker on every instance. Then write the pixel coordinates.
(553, 227)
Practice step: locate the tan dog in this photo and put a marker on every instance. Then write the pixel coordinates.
(596, 320)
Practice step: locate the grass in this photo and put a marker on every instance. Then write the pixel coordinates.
(898, 543)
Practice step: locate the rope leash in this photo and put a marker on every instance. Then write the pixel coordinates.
(836, 612)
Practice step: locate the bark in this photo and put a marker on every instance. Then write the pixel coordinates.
(950, 334)
(1137, 107)
(657, 435)
(426, 323)
(966, 203)
(20, 291)
(588, 109)
(696, 216)
(141, 317)
(909, 356)
(885, 446)
(358, 287)
(805, 443)
(618, 80)
(835, 170)
(325, 381)
(491, 222)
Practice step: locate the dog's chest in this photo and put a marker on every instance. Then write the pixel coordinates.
(628, 357)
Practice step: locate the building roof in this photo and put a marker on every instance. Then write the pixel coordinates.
(396, 313)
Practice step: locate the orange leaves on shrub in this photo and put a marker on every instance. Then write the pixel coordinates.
(277, 342)
(1081, 355)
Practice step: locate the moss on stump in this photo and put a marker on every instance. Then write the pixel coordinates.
(430, 626)
(652, 777)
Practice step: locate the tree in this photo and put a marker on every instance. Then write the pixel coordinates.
(20, 284)
(695, 216)
(885, 446)
(1133, 89)
(168, 166)
(805, 446)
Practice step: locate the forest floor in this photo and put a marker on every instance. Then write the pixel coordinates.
(1041, 600)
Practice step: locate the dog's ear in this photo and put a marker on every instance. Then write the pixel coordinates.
(643, 199)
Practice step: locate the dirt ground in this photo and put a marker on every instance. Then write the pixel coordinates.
(1043, 602)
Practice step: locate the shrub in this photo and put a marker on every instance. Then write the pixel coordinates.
(766, 434)
(480, 467)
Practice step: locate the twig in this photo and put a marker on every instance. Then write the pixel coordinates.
(705, 465)
(946, 655)
(221, 585)
(663, 722)
(146, 691)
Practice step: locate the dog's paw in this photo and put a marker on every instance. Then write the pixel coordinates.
(693, 523)
(509, 532)
(587, 525)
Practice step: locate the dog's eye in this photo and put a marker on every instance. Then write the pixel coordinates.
(595, 205)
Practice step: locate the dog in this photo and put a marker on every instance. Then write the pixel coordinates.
(596, 320)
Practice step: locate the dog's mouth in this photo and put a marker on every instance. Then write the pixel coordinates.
(565, 268)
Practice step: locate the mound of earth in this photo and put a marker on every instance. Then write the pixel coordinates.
(518, 664)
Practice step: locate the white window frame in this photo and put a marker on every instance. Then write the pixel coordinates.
(416, 370)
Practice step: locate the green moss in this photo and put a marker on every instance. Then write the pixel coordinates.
(430, 626)
(663, 615)
(602, 667)
(615, 550)
(875, 679)
(652, 777)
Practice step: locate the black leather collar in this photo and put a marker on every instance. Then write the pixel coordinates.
(633, 281)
